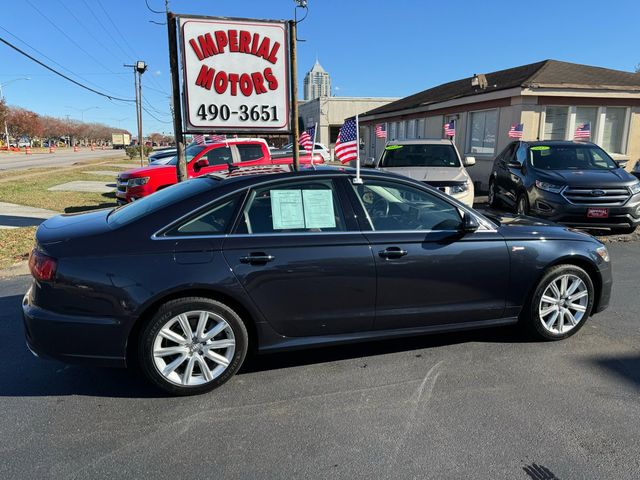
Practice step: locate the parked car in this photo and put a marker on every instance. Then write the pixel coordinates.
(435, 162)
(287, 151)
(636, 170)
(574, 183)
(161, 157)
(201, 160)
(209, 269)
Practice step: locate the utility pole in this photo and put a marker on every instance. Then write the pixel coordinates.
(294, 95)
(138, 69)
(181, 164)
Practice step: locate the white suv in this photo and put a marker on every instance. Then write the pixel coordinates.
(435, 162)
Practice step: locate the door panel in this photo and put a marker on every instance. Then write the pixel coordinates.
(441, 279)
(297, 254)
(313, 285)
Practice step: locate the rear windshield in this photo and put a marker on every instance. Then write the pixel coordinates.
(419, 156)
(570, 157)
(140, 208)
(190, 152)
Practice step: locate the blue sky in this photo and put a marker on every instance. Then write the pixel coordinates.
(370, 48)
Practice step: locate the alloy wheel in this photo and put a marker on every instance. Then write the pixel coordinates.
(563, 304)
(194, 348)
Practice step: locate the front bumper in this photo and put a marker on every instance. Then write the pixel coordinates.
(74, 339)
(556, 208)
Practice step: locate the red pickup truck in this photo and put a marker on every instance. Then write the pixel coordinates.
(201, 159)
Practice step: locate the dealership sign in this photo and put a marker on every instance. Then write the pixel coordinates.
(236, 75)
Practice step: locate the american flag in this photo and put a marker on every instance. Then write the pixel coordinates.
(381, 130)
(516, 130)
(199, 139)
(347, 143)
(450, 129)
(583, 131)
(218, 138)
(306, 138)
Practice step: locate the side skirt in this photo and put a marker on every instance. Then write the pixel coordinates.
(272, 342)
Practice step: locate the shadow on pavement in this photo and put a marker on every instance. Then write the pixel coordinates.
(17, 221)
(539, 472)
(626, 368)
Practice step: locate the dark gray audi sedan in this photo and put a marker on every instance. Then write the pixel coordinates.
(188, 280)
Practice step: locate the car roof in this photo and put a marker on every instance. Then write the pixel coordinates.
(421, 141)
(556, 142)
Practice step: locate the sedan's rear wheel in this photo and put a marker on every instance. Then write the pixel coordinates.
(192, 345)
(561, 303)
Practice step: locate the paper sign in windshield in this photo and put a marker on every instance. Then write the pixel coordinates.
(302, 209)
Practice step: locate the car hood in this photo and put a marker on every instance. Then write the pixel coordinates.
(430, 174)
(588, 178)
(148, 170)
(520, 227)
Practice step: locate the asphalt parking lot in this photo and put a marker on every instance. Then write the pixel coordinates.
(484, 404)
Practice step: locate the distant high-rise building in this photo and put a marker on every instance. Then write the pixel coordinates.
(317, 83)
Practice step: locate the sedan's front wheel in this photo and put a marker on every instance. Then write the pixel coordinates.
(561, 303)
(192, 345)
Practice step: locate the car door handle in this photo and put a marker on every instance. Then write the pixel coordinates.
(392, 252)
(257, 258)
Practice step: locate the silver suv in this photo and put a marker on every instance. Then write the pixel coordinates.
(433, 161)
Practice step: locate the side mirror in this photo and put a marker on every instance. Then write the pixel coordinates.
(369, 162)
(469, 223)
(515, 164)
(200, 164)
(469, 161)
(621, 163)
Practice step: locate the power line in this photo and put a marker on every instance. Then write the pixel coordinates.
(68, 37)
(105, 28)
(91, 34)
(115, 27)
(53, 61)
(151, 9)
(154, 117)
(110, 97)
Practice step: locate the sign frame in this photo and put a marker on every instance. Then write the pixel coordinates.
(286, 126)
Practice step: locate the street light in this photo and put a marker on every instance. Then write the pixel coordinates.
(6, 128)
(82, 110)
(139, 67)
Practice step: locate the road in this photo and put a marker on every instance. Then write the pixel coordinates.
(17, 161)
(484, 404)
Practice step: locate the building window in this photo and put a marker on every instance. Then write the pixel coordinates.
(555, 123)
(401, 135)
(411, 129)
(391, 134)
(420, 132)
(482, 134)
(613, 129)
(587, 115)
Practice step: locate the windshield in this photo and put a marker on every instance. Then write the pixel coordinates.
(570, 157)
(161, 199)
(190, 152)
(419, 156)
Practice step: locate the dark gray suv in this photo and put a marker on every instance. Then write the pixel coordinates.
(574, 183)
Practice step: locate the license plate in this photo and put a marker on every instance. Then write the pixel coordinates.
(598, 212)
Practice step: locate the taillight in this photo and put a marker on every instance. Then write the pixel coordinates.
(42, 266)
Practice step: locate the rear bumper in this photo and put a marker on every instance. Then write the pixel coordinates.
(74, 339)
(555, 208)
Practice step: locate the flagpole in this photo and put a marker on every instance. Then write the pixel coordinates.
(313, 145)
(357, 180)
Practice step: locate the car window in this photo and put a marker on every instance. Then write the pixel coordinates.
(507, 153)
(521, 154)
(392, 206)
(250, 152)
(214, 221)
(161, 199)
(301, 207)
(190, 153)
(419, 155)
(219, 156)
(570, 157)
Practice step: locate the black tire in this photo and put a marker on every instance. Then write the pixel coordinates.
(530, 316)
(623, 230)
(492, 198)
(167, 314)
(522, 204)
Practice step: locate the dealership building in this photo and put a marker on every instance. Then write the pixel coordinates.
(550, 98)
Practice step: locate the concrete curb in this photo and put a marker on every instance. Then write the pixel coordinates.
(16, 270)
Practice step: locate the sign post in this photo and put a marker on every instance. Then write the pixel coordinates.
(181, 164)
(294, 95)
